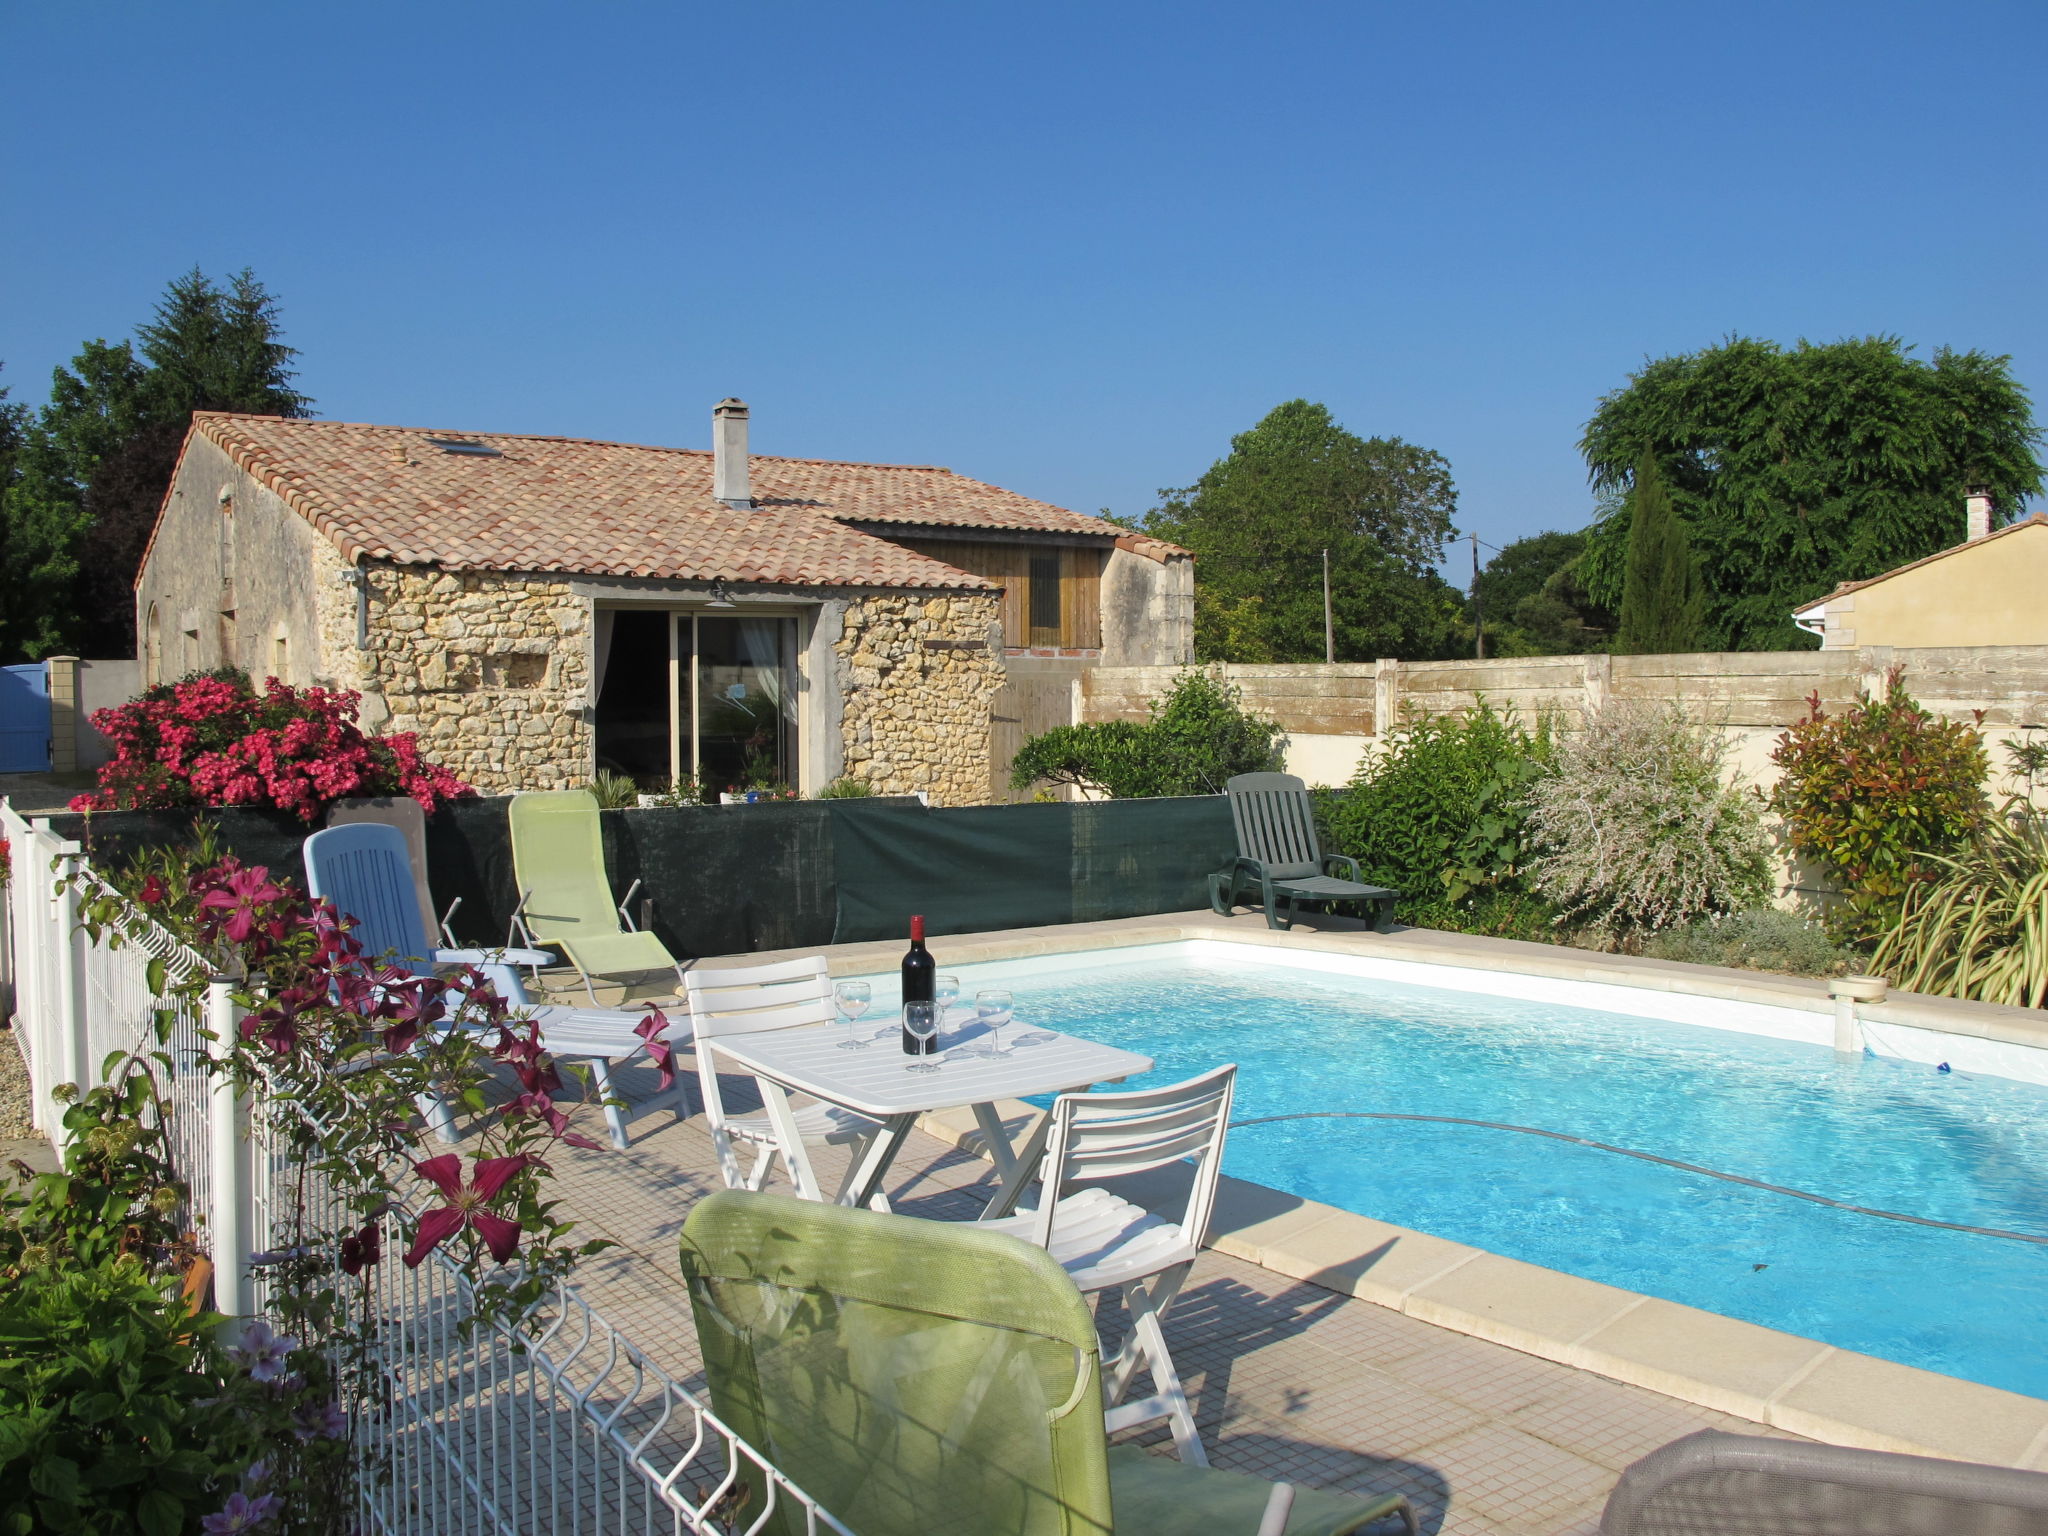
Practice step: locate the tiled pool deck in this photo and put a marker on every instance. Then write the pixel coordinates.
(1289, 1379)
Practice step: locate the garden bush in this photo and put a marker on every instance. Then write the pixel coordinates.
(1440, 813)
(1638, 829)
(212, 739)
(1764, 939)
(1976, 924)
(1875, 795)
(118, 1413)
(334, 1054)
(1199, 736)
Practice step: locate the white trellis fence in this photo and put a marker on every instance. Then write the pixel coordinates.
(487, 1430)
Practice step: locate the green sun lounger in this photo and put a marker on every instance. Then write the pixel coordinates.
(565, 898)
(1280, 858)
(935, 1377)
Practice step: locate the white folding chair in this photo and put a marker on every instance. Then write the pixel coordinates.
(745, 1000)
(1104, 1240)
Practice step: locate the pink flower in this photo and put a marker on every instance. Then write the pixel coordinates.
(278, 1024)
(466, 1206)
(542, 1108)
(529, 1058)
(361, 1249)
(412, 1006)
(240, 897)
(650, 1030)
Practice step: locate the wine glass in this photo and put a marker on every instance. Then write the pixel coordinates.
(921, 1019)
(946, 994)
(852, 998)
(993, 1009)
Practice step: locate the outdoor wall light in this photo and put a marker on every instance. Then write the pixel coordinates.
(720, 598)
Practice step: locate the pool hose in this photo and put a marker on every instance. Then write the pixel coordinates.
(1649, 1157)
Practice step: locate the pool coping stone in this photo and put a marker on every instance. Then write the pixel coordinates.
(1428, 946)
(1781, 1379)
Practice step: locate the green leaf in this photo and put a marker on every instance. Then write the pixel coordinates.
(156, 973)
(160, 1513)
(55, 1477)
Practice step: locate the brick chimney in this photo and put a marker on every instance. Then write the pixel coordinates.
(731, 483)
(1976, 509)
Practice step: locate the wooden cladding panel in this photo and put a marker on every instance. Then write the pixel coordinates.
(1010, 564)
(1080, 597)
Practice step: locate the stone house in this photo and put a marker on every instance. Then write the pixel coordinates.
(1986, 590)
(538, 608)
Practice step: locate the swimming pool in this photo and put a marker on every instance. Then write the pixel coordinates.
(1897, 1135)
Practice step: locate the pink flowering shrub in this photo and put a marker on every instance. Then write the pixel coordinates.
(335, 1050)
(214, 739)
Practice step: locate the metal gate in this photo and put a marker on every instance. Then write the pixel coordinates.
(25, 718)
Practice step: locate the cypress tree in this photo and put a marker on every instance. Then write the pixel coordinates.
(1662, 600)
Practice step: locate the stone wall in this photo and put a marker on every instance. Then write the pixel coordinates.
(490, 669)
(917, 674)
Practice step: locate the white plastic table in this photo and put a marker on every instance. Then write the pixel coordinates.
(876, 1082)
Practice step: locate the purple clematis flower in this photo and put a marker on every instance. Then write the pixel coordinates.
(263, 1353)
(326, 1422)
(242, 1513)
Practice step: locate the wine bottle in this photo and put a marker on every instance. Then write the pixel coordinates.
(918, 971)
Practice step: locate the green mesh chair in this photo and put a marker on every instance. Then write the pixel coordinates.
(565, 898)
(933, 1377)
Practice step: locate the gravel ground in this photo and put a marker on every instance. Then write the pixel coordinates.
(14, 1119)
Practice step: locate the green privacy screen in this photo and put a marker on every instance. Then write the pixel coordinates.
(730, 879)
(1020, 866)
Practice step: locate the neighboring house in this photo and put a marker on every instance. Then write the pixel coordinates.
(1987, 590)
(538, 608)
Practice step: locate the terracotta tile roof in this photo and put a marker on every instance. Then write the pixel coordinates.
(1149, 547)
(2035, 520)
(614, 509)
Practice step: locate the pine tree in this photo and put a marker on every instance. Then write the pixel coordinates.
(1662, 598)
(96, 462)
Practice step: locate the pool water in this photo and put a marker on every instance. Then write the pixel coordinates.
(1894, 1135)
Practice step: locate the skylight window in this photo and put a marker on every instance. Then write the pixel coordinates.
(469, 448)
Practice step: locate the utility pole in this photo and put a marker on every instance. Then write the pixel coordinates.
(1329, 629)
(1478, 612)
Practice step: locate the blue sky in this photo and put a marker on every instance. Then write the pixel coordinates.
(1067, 248)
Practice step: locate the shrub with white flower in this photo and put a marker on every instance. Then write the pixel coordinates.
(1641, 829)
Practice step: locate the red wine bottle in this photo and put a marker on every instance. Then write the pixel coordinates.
(918, 971)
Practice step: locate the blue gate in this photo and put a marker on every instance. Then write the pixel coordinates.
(25, 719)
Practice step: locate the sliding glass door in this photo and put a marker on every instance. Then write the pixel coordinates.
(691, 693)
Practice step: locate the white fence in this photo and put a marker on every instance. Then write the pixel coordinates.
(485, 1430)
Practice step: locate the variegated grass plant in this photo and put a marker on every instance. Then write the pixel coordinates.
(1979, 929)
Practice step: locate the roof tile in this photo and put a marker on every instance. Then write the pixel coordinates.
(616, 509)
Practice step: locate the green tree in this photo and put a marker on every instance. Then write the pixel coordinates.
(1293, 486)
(1535, 603)
(1196, 738)
(1795, 469)
(1660, 594)
(93, 466)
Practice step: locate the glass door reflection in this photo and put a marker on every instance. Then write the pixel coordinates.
(738, 695)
